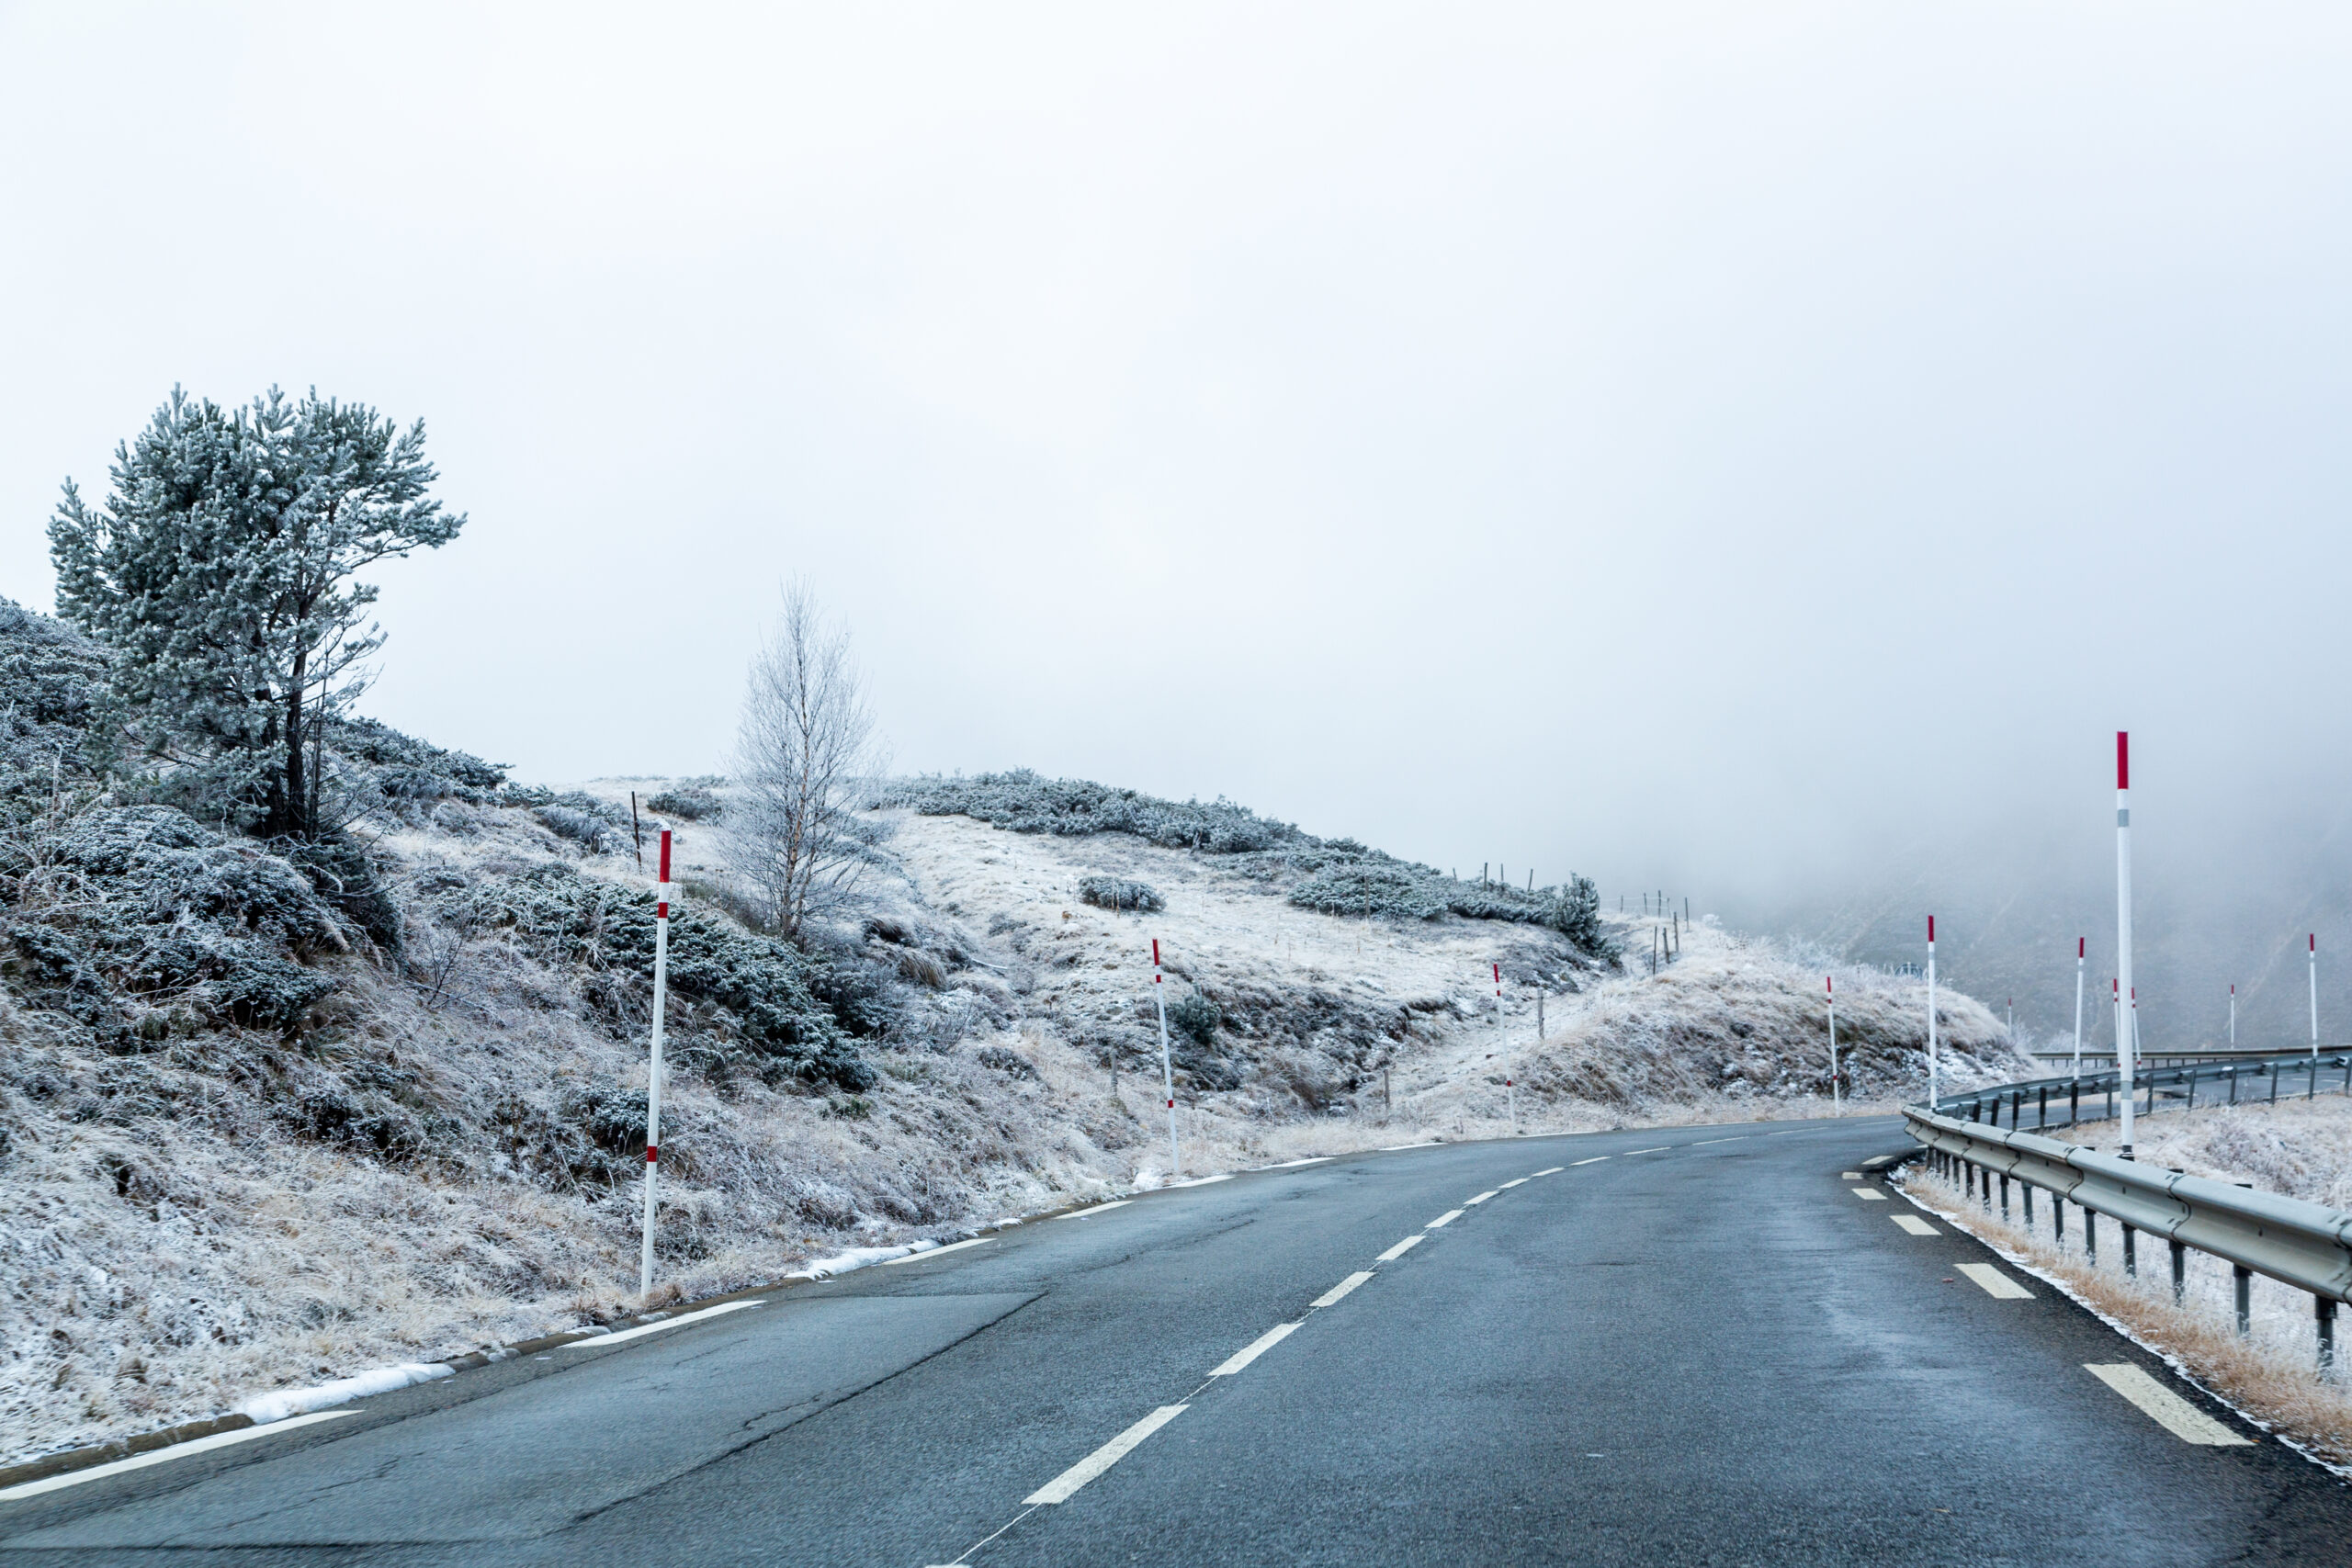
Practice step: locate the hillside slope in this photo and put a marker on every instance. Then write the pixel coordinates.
(275, 1113)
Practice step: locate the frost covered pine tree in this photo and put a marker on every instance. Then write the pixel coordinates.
(804, 748)
(219, 576)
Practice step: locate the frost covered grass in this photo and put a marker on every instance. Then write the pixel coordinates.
(2301, 1150)
(442, 1153)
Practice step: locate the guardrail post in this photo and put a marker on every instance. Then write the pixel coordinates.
(2241, 1278)
(2179, 1271)
(2005, 1195)
(2042, 1116)
(2027, 1193)
(2090, 1235)
(2073, 1102)
(2323, 1308)
(2130, 1253)
(2058, 1220)
(2274, 1083)
(2234, 1085)
(2192, 1092)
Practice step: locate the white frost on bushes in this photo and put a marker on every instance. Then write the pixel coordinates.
(268, 1407)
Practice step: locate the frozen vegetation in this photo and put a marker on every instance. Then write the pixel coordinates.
(276, 1112)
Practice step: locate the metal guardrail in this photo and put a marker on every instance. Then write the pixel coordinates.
(2303, 1245)
(2091, 1096)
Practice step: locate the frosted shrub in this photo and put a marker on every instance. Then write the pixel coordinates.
(691, 799)
(1117, 893)
(1025, 803)
(1197, 1017)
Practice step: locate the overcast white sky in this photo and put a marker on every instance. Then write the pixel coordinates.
(1765, 450)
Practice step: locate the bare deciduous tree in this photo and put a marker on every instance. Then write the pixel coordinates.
(804, 748)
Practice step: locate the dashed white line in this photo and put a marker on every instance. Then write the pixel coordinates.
(177, 1450)
(1555, 1169)
(1866, 1194)
(1481, 1198)
(1508, 1185)
(1443, 1220)
(1397, 1251)
(1341, 1289)
(1062, 1487)
(1098, 1209)
(1849, 1176)
(1255, 1348)
(935, 1251)
(1659, 1150)
(2167, 1409)
(1704, 1142)
(601, 1340)
(1595, 1159)
(1915, 1224)
(1996, 1284)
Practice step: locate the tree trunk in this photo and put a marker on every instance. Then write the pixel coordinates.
(298, 797)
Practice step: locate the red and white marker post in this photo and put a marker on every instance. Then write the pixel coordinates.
(2127, 1046)
(1931, 1012)
(2314, 1002)
(1829, 988)
(1511, 1094)
(2081, 948)
(653, 1075)
(1166, 1066)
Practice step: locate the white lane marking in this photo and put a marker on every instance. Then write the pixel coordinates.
(935, 1251)
(1062, 1487)
(1555, 1169)
(1098, 1209)
(1424, 1144)
(2167, 1409)
(1704, 1142)
(1443, 1220)
(1849, 1176)
(1508, 1185)
(1865, 1192)
(1341, 1289)
(1294, 1164)
(1481, 1198)
(1659, 1150)
(1200, 1181)
(600, 1342)
(177, 1450)
(1995, 1283)
(1255, 1348)
(1915, 1224)
(1594, 1160)
(1397, 1251)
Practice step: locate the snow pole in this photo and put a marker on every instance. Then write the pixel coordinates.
(653, 1071)
(2082, 947)
(1511, 1094)
(2315, 997)
(2234, 1014)
(1829, 987)
(2127, 1023)
(1931, 1012)
(1167, 1067)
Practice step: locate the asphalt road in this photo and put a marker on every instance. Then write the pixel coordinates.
(1698, 1346)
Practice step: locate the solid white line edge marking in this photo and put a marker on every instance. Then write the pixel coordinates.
(1255, 1348)
(1294, 1164)
(1996, 1284)
(1915, 1224)
(935, 1251)
(2167, 1409)
(1397, 1251)
(1341, 1289)
(601, 1340)
(1063, 1486)
(177, 1450)
(1445, 1219)
(1099, 1208)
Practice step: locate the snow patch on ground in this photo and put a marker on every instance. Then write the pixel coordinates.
(268, 1407)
